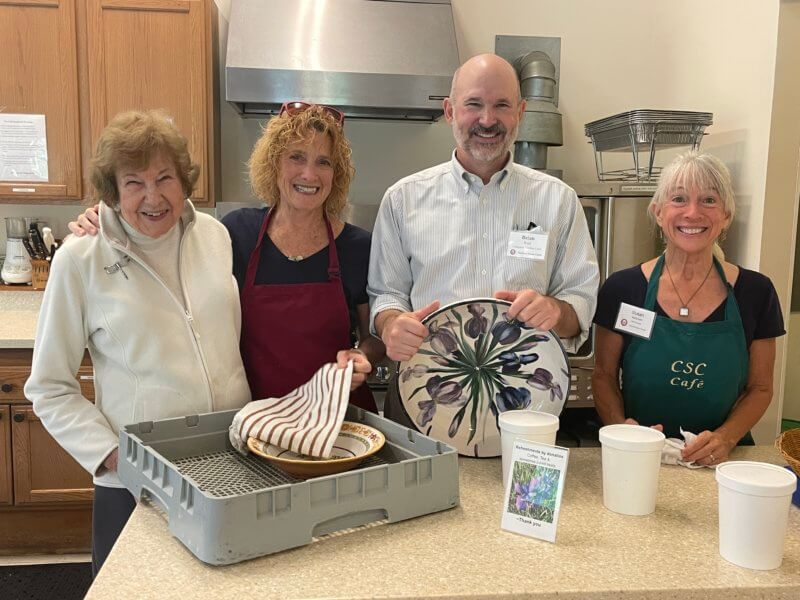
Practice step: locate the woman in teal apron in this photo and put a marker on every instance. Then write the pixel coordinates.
(694, 336)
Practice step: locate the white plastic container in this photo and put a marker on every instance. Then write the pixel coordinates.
(526, 425)
(631, 461)
(754, 500)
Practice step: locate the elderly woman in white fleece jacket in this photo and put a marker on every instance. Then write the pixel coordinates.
(153, 299)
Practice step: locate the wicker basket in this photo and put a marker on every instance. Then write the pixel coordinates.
(789, 445)
(40, 271)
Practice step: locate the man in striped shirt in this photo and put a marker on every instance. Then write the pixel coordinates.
(450, 232)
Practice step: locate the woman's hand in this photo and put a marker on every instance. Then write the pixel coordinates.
(710, 448)
(630, 421)
(110, 463)
(361, 366)
(88, 222)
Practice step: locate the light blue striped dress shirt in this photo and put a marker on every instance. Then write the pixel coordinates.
(441, 234)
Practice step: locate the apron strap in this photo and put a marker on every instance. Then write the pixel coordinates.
(652, 285)
(255, 255)
(333, 256)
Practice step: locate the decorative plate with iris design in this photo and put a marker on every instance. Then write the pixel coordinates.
(475, 364)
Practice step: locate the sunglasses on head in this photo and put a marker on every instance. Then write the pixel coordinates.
(296, 107)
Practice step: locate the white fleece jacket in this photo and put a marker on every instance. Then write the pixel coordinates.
(152, 360)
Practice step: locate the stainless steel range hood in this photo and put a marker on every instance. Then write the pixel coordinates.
(373, 59)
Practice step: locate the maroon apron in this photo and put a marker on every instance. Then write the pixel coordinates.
(291, 330)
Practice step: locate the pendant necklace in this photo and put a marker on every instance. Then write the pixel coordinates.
(297, 258)
(683, 311)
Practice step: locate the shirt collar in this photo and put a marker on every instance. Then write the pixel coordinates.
(465, 179)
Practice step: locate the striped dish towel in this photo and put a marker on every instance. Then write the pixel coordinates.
(306, 420)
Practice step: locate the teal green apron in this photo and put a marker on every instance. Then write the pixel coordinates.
(686, 375)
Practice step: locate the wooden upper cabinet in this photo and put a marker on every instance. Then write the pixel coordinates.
(6, 491)
(145, 54)
(39, 75)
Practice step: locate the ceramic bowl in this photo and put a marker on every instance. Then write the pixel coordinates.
(354, 443)
(475, 364)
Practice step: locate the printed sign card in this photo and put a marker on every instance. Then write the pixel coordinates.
(532, 499)
(23, 147)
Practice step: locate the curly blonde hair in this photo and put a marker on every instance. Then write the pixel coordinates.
(131, 140)
(285, 130)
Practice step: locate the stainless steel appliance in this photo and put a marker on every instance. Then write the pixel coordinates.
(372, 59)
(17, 264)
(623, 236)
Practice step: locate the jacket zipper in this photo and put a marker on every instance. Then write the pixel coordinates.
(194, 334)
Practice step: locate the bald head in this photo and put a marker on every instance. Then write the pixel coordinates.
(486, 66)
(484, 109)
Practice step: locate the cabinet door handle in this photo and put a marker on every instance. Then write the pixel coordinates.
(19, 418)
(6, 387)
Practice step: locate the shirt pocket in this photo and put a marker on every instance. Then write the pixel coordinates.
(524, 273)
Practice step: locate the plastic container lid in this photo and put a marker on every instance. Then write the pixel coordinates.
(632, 438)
(756, 478)
(527, 421)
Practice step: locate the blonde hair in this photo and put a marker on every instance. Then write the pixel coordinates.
(131, 140)
(285, 130)
(693, 170)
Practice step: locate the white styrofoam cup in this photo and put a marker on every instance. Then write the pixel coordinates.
(754, 500)
(631, 457)
(526, 425)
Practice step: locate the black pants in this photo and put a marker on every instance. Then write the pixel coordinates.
(393, 407)
(111, 510)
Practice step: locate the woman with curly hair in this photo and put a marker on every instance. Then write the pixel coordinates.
(302, 270)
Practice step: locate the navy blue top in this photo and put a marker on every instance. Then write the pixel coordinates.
(754, 293)
(352, 246)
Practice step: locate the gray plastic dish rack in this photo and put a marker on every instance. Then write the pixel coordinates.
(226, 508)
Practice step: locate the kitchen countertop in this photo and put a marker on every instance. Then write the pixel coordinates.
(20, 312)
(463, 553)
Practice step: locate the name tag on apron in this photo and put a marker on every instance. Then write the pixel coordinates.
(528, 244)
(635, 320)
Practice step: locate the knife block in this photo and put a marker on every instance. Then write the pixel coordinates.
(40, 271)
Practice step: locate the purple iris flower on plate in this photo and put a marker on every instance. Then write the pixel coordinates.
(542, 379)
(441, 392)
(512, 361)
(477, 324)
(443, 341)
(415, 371)
(532, 342)
(511, 398)
(506, 332)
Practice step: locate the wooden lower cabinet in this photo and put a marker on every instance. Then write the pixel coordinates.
(43, 472)
(45, 495)
(45, 530)
(6, 489)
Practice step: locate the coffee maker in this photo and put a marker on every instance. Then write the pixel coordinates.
(17, 265)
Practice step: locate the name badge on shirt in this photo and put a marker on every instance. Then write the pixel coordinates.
(635, 320)
(528, 244)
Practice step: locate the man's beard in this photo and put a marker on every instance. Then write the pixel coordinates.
(486, 153)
